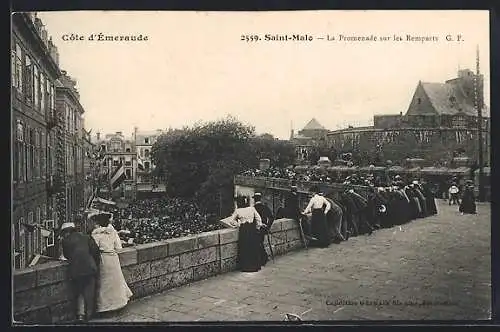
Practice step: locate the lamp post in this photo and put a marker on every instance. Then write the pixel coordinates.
(478, 100)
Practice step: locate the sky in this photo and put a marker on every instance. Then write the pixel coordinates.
(195, 67)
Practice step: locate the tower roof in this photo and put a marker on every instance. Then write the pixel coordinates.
(313, 125)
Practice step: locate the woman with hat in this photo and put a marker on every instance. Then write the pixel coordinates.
(249, 223)
(468, 204)
(114, 292)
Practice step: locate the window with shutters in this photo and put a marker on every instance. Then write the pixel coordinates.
(13, 68)
(43, 153)
(52, 98)
(36, 88)
(28, 83)
(42, 93)
(47, 97)
(19, 69)
(21, 244)
(31, 164)
(27, 169)
(49, 225)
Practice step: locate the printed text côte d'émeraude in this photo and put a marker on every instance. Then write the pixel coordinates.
(103, 37)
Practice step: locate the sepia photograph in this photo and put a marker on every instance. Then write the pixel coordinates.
(271, 166)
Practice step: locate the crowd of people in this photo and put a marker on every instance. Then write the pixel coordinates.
(151, 220)
(273, 172)
(306, 175)
(94, 265)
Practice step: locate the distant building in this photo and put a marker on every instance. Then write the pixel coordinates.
(305, 141)
(441, 121)
(144, 141)
(118, 150)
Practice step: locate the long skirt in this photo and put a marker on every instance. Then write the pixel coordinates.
(114, 292)
(319, 228)
(468, 205)
(431, 205)
(249, 248)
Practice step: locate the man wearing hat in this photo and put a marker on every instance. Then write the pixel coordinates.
(266, 215)
(292, 209)
(84, 257)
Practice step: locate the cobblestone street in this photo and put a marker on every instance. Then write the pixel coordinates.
(433, 268)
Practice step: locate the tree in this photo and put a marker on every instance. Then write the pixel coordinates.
(201, 161)
(280, 153)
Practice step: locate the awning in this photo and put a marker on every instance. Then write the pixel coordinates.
(104, 201)
(396, 169)
(435, 170)
(373, 169)
(460, 170)
(343, 169)
(412, 170)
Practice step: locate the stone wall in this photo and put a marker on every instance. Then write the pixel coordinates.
(274, 190)
(42, 294)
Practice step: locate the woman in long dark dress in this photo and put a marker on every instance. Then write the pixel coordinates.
(429, 199)
(468, 203)
(249, 222)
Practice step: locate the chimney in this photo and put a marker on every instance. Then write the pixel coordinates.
(38, 25)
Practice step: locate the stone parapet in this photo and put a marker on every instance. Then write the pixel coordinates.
(42, 294)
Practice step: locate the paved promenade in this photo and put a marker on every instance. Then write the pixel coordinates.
(432, 268)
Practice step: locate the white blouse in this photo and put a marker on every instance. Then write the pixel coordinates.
(246, 215)
(107, 239)
(317, 202)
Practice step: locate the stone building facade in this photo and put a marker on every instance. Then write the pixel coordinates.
(34, 70)
(118, 150)
(144, 141)
(440, 123)
(68, 104)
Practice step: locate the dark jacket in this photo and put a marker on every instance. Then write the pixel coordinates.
(265, 214)
(82, 253)
(292, 209)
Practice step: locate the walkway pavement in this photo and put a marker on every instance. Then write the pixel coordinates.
(433, 268)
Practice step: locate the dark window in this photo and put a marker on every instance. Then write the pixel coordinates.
(146, 164)
(128, 173)
(419, 101)
(146, 153)
(146, 140)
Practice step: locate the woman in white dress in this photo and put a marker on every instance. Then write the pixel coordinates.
(113, 293)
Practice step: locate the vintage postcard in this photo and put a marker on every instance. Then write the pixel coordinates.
(190, 166)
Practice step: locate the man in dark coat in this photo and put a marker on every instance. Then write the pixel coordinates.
(292, 209)
(335, 222)
(84, 258)
(266, 215)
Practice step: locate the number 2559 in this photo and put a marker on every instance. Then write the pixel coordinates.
(250, 38)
